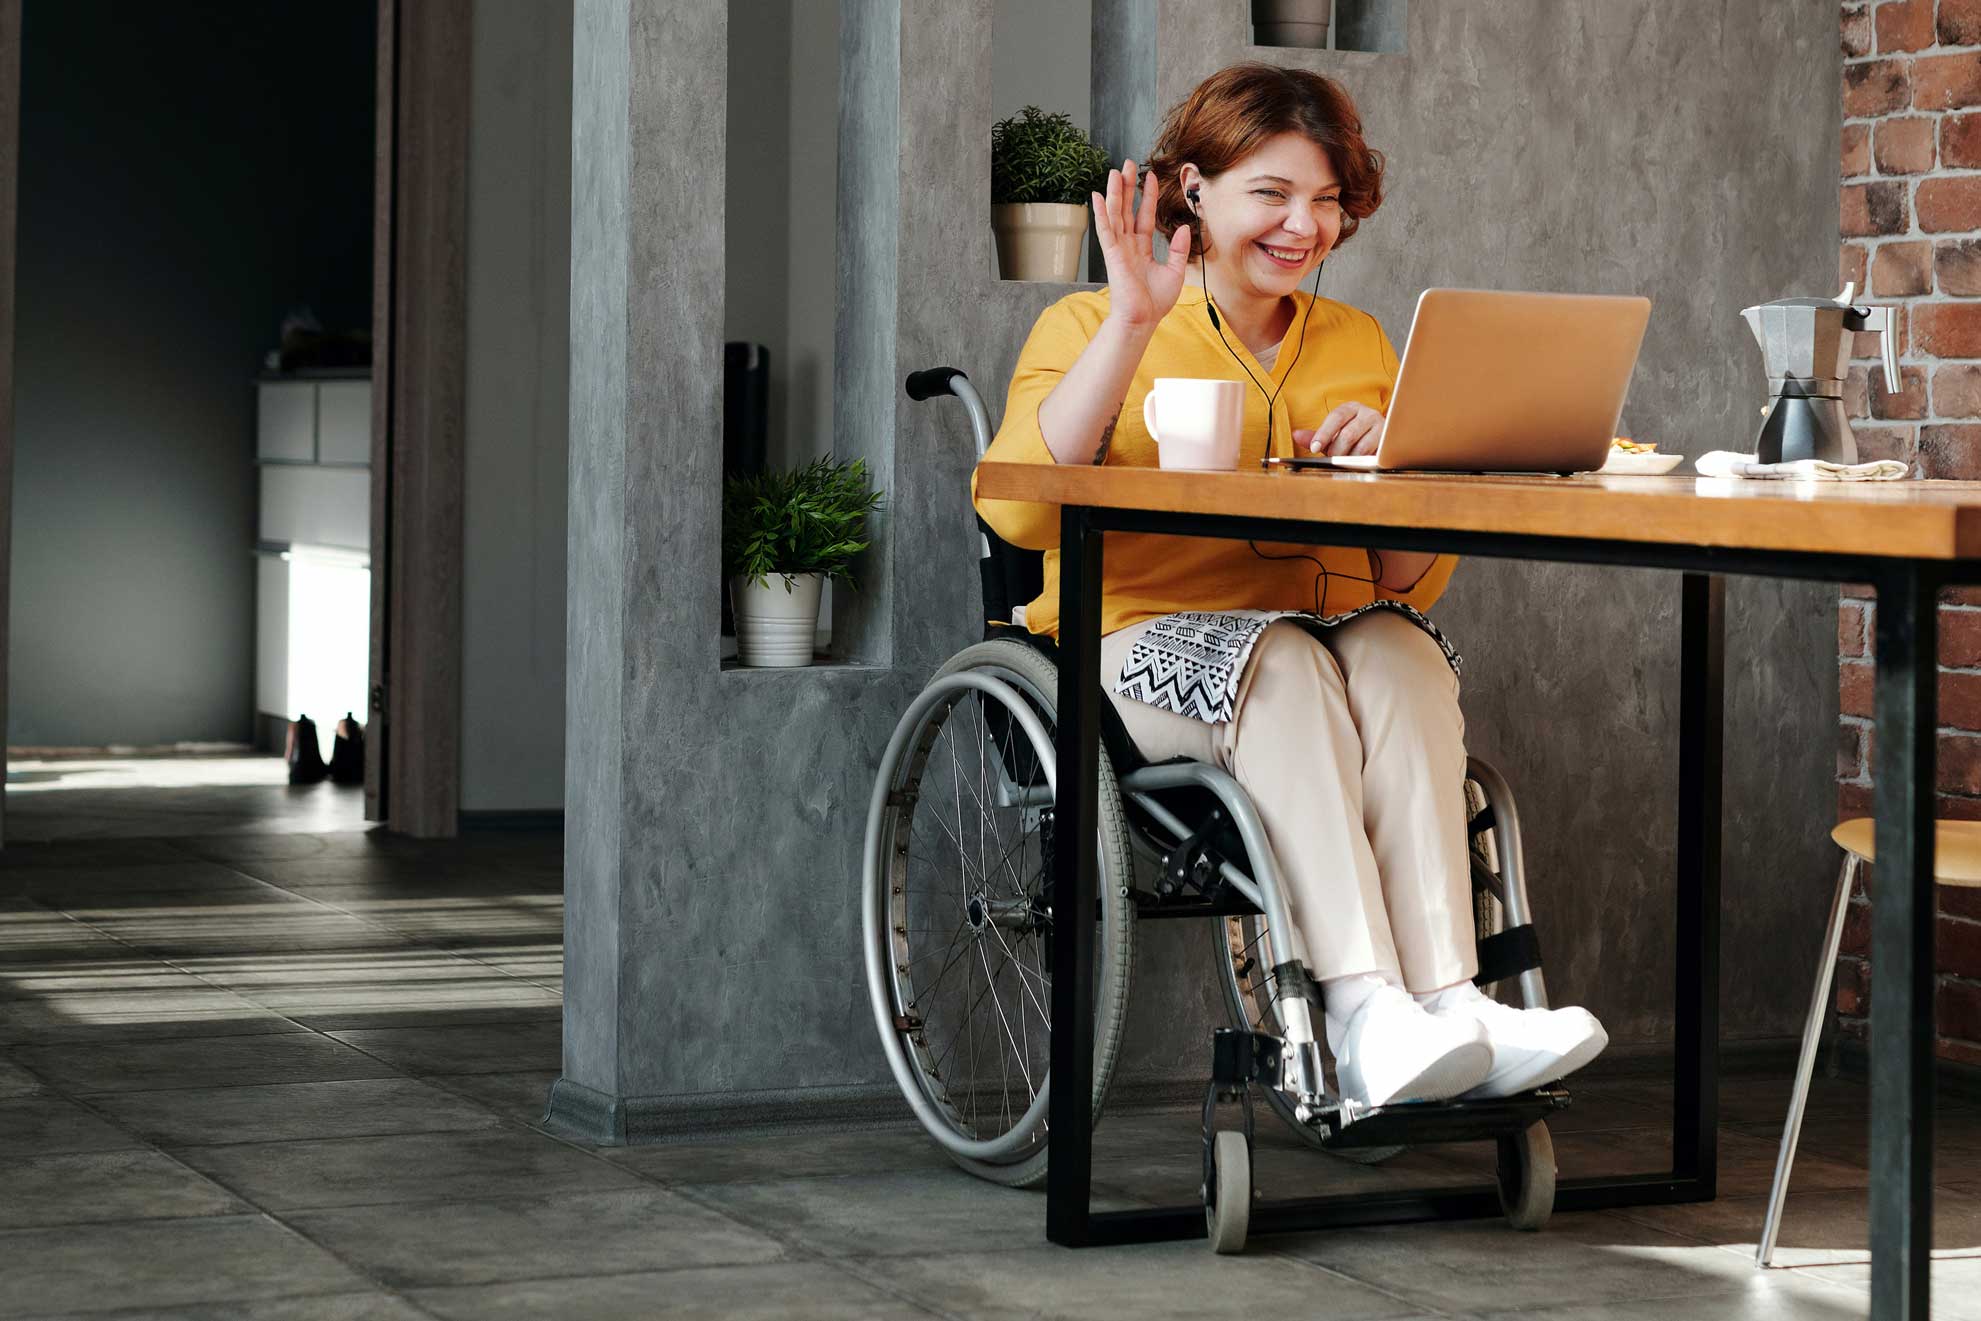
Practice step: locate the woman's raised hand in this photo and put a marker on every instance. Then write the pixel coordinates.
(1141, 290)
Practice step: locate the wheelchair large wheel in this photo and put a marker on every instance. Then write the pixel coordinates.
(1251, 995)
(958, 914)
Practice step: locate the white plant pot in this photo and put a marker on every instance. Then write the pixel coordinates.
(1039, 240)
(777, 620)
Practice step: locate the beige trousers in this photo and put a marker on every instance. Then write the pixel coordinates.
(1354, 753)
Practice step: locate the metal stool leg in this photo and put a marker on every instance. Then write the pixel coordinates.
(1812, 1033)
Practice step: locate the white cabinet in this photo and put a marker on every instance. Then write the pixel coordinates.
(343, 422)
(285, 421)
(313, 532)
(308, 505)
(302, 420)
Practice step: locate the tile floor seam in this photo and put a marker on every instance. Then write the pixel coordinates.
(277, 1219)
(798, 1250)
(876, 1280)
(613, 1274)
(170, 1147)
(167, 961)
(294, 1029)
(398, 936)
(244, 1201)
(146, 1144)
(1624, 1213)
(444, 1080)
(1349, 1273)
(255, 1213)
(400, 1072)
(359, 917)
(1426, 1309)
(479, 1199)
(355, 1267)
(144, 1313)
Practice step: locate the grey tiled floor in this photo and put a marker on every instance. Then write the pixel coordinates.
(299, 1076)
(110, 797)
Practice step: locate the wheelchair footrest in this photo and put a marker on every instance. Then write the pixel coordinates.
(1417, 1123)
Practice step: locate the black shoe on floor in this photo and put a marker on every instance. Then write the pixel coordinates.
(304, 757)
(347, 752)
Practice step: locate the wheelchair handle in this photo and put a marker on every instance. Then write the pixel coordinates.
(932, 381)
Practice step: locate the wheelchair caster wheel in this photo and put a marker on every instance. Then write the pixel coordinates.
(1527, 1177)
(1228, 1201)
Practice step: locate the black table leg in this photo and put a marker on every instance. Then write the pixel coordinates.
(1069, 1170)
(1902, 948)
(1701, 707)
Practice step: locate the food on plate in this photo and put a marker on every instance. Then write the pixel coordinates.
(1626, 445)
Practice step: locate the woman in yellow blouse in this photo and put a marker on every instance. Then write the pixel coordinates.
(1341, 717)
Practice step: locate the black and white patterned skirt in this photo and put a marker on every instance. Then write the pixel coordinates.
(1191, 663)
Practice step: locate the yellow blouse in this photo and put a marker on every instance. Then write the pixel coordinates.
(1345, 357)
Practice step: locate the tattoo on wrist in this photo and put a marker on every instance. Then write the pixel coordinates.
(1107, 439)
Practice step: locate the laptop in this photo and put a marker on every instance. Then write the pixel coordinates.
(1506, 382)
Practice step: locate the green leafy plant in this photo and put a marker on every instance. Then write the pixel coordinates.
(1036, 157)
(809, 520)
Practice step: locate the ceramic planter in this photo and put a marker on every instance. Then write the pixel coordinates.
(776, 620)
(1300, 23)
(1039, 240)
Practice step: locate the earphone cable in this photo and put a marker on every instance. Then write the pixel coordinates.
(1324, 579)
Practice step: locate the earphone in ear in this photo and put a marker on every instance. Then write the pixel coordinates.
(1191, 196)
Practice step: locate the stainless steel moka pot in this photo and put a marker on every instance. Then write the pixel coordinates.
(1806, 345)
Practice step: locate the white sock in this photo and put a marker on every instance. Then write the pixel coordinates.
(1450, 997)
(1342, 996)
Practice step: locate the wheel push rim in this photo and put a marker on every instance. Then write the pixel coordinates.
(966, 912)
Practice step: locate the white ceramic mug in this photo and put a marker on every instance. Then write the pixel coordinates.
(1195, 422)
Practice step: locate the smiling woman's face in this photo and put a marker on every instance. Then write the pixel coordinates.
(1272, 216)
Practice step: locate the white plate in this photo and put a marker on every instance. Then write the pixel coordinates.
(1640, 465)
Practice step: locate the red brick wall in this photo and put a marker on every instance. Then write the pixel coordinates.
(1911, 171)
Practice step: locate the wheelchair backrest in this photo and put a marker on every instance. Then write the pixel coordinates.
(1010, 576)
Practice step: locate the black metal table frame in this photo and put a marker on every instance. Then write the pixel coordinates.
(1901, 1042)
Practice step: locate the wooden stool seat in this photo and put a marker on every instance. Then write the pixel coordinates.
(1956, 848)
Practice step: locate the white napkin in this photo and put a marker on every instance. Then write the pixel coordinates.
(1726, 463)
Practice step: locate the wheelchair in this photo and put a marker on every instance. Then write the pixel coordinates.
(957, 924)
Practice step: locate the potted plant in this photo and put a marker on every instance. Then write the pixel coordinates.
(1042, 170)
(1301, 23)
(783, 535)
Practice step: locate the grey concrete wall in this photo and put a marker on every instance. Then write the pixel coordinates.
(712, 958)
(1536, 145)
(1041, 54)
(518, 360)
(783, 170)
(180, 193)
(1372, 24)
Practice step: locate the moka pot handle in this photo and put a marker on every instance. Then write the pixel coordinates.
(1880, 320)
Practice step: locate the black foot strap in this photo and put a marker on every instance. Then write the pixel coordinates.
(1511, 952)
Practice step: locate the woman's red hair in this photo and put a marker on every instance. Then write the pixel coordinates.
(1233, 112)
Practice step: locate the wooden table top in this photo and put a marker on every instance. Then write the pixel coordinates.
(1912, 519)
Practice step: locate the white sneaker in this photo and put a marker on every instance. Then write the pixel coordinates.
(1530, 1046)
(1392, 1049)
